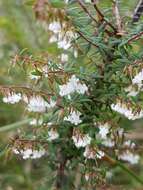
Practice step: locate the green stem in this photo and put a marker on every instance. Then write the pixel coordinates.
(126, 169)
(122, 166)
(14, 125)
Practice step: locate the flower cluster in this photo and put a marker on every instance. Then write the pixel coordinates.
(35, 103)
(12, 98)
(38, 104)
(131, 91)
(103, 130)
(127, 112)
(91, 153)
(30, 153)
(81, 140)
(136, 85)
(73, 85)
(129, 157)
(138, 79)
(73, 117)
(103, 135)
(36, 121)
(59, 35)
(52, 134)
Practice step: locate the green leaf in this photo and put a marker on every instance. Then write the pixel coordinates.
(14, 125)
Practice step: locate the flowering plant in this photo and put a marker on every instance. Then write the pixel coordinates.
(78, 94)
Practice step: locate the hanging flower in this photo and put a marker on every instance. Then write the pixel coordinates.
(53, 134)
(127, 112)
(30, 153)
(73, 117)
(81, 140)
(12, 98)
(73, 85)
(92, 153)
(103, 130)
(129, 157)
(55, 27)
(38, 104)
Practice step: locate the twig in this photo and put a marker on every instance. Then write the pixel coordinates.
(135, 37)
(20, 88)
(29, 141)
(117, 16)
(61, 171)
(101, 16)
(85, 38)
(138, 11)
(85, 9)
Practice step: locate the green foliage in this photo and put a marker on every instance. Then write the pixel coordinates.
(105, 54)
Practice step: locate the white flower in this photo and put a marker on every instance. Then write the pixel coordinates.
(129, 157)
(65, 39)
(81, 88)
(29, 153)
(108, 142)
(51, 104)
(103, 130)
(73, 85)
(45, 70)
(100, 154)
(55, 27)
(12, 98)
(120, 132)
(65, 90)
(74, 117)
(26, 153)
(75, 53)
(36, 122)
(64, 44)
(129, 144)
(122, 109)
(53, 134)
(81, 140)
(131, 91)
(89, 153)
(53, 38)
(15, 151)
(38, 153)
(87, 176)
(138, 78)
(38, 104)
(64, 57)
(68, 88)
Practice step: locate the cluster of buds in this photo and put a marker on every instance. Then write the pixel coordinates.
(128, 153)
(115, 138)
(34, 102)
(30, 153)
(56, 21)
(28, 149)
(127, 110)
(80, 139)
